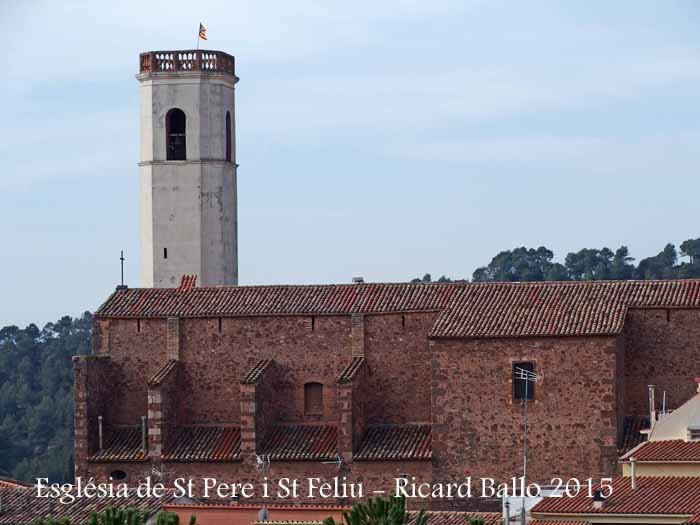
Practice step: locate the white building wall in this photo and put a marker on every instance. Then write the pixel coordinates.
(188, 207)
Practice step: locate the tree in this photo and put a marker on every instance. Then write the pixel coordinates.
(427, 278)
(691, 249)
(661, 266)
(36, 397)
(113, 516)
(520, 264)
(380, 511)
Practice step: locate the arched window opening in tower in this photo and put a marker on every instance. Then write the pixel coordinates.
(313, 398)
(175, 126)
(228, 136)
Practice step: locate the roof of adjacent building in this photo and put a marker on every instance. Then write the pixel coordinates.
(160, 376)
(121, 444)
(20, 506)
(256, 372)
(204, 443)
(632, 433)
(9, 483)
(453, 517)
(395, 442)
(348, 373)
(653, 495)
(557, 522)
(301, 443)
(467, 310)
(671, 450)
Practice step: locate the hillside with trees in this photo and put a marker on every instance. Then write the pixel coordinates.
(36, 398)
(588, 264)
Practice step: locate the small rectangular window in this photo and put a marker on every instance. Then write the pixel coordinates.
(693, 434)
(165, 253)
(523, 381)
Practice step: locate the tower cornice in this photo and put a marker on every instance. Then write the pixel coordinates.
(187, 60)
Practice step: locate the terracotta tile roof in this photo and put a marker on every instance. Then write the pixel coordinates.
(277, 300)
(256, 372)
(8, 483)
(209, 444)
(467, 310)
(670, 495)
(671, 450)
(556, 308)
(451, 517)
(349, 372)
(301, 443)
(161, 374)
(187, 283)
(20, 506)
(121, 444)
(557, 522)
(631, 433)
(393, 442)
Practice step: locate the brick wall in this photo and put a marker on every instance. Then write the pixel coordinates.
(214, 362)
(138, 350)
(662, 349)
(91, 399)
(162, 413)
(463, 386)
(398, 359)
(478, 428)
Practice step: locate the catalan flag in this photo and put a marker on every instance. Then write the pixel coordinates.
(202, 31)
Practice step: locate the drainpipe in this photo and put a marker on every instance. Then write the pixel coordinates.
(633, 473)
(144, 435)
(652, 406)
(506, 513)
(99, 430)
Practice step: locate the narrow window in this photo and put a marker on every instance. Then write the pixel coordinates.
(313, 398)
(523, 381)
(228, 136)
(313, 322)
(138, 325)
(175, 126)
(165, 253)
(403, 321)
(219, 324)
(668, 316)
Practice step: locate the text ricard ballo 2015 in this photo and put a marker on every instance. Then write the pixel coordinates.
(311, 488)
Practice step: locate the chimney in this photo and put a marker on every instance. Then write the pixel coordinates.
(633, 473)
(652, 406)
(598, 499)
(358, 280)
(99, 430)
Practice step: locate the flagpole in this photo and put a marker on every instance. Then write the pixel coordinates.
(199, 29)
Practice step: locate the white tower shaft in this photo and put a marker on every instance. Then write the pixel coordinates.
(187, 168)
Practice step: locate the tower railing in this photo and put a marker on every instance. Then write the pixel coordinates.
(186, 60)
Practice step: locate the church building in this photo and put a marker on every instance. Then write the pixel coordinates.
(198, 377)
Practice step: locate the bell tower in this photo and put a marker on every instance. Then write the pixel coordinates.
(187, 168)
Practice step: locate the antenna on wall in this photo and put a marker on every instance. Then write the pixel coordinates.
(122, 286)
(528, 377)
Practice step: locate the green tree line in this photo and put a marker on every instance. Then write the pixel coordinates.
(36, 398)
(588, 264)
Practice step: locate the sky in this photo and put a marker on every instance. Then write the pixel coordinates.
(376, 139)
